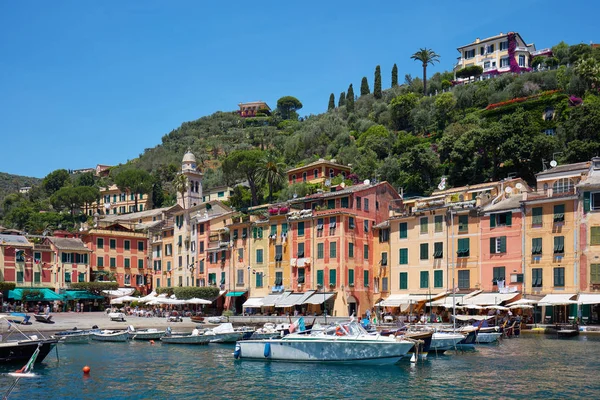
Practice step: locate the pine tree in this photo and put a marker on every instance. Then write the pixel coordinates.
(331, 105)
(342, 99)
(364, 87)
(394, 75)
(350, 99)
(377, 83)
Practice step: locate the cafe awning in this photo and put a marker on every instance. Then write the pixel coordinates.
(235, 294)
(272, 299)
(81, 295)
(34, 294)
(557, 299)
(488, 299)
(587, 298)
(253, 302)
(319, 298)
(290, 301)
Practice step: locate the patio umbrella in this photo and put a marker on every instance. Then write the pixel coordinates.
(501, 308)
(197, 301)
(148, 298)
(124, 299)
(520, 306)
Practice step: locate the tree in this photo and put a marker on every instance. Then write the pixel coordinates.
(342, 99)
(331, 104)
(426, 56)
(350, 99)
(364, 87)
(180, 184)
(55, 180)
(67, 197)
(377, 83)
(134, 181)
(394, 75)
(244, 164)
(85, 179)
(401, 107)
(96, 288)
(271, 172)
(589, 70)
(288, 105)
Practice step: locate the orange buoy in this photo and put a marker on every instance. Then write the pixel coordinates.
(152, 342)
(86, 370)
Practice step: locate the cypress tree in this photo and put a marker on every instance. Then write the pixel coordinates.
(377, 83)
(364, 86)
(350, 99)
(331, 105)
(342, 99)
(394, 75)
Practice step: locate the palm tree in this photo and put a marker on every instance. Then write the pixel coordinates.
(426, 56)
(271, 172)
(180, 183)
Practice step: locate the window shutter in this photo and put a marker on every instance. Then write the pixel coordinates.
(492, 245)
(503, 244)
(586, 201)
(320, 277)
(492, 220)
(508, 218)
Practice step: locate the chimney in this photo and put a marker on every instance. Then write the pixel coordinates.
(477, 40)
(596, 163)
(524, 195)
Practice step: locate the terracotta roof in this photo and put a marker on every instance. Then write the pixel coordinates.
(506, 204)
(68, 244)
(494, 38)
(15, 240)
(581, 166)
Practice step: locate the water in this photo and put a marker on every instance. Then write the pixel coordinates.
(526, 367)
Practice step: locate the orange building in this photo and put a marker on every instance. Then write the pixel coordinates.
(317, 172)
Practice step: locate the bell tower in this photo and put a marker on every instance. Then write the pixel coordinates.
(193, 193)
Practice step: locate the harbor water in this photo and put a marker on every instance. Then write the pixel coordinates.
(533, 366)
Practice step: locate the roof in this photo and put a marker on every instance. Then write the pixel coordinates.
(581, 166)
(137, 215)
(15, 240)
(485, 299)
(320, 161)
(558, 299)
(465, 188)
(347, 190)
(68, 244)
(506, 204)
(189, 157)
(501, 35)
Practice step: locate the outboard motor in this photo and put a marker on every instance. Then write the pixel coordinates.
(238, 351)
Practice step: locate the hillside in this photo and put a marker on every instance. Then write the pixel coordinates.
(11, 183)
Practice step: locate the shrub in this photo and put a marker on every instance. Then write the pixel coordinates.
(206, 292)
(6, 286)
(471, 70)
(95, 287)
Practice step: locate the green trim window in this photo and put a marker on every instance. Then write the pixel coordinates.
(350, 277)
(438, 278)
(366, 226)
(384, 259)
(537, 214)
(594, 274)
(279, 278)
(320, 277)
(332, 249)
(330, 204)
(127, 245)
(300, 252)
(332, 277)
(140, 264)
(113, 243)
(424, 221)
(284, 228)
(366, 278)
(403, 228)
(595, 236)
(37, 277)
(278, 253)
(464, 279)
(499, 274)
(424, 281)
(403, 280)
(100, 261)
(345, 202)
(259, 279)
(320, 251)
(559, 277)
(403, 256)
(501, 219)
(259, 256)
(351, 224)
(301, 275)
(273, 230)
(212, 279)
(81, 277)
(438, 223)
(366, 251)
(100, 243)
(366, 204)
(350, 250)
(424, 251)
(67, 277)
(559, 213)
(113, 262)
(536, 277)
(463, 223)
(244, 232)
(127, 263)
(559, 244)
(20, 276)
(300, 228)
(498, 245)
(438, 250)
(536, 246)
(384, 235)
(140, 245)
(463, 247)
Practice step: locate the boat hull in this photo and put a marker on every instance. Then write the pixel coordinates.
(488, 337)
(111, 337)
(229, 337)
(146, 335)
(81, 338)
(21, 351)
(442, 341)
(186, 339)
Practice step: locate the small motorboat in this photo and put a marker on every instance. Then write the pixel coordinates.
(111, 336)
(566, 330)
(144, 334)
(268, 331)
(224, 333)
(488, 335)
(195, 337)
(21, 350)
(116, 316)
(442, 341)
(47, 319)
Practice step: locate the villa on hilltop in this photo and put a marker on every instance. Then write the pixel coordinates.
(252, 108)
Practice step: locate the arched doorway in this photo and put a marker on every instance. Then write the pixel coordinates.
(352, 306)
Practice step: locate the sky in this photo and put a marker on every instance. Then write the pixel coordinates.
(96, 82)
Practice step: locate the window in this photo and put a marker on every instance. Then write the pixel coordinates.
(201, 229)
(201, 266)
(301, 273)
(504, 45)
(168, 249)
(100, 261)
(259, 279)
(501, 219)
(81, 277)
(486, 65)
(293, 178)
(284, 228)
(223, 277)
(536, 246)
(439, 223)
(351, 223)
(140, 264)
(315, 173)
(521, 60)
(463, 248)
(259, 256)
(424, 221)
(350, 250)
(366, 278)
(300, 252)
(127, 263)
(559, 213)
(438, 279)
(384, 260)
(257, 232)
(366, 251)
(37, 278)
(112, 262)
(332, 225)
(320, 251)
(481, 50)
(549, 132)
(345, 202)
(100, 243)
(463, 223)
(499, 275)
(320, 277)
(330, 204)
(350, 277)
(403, 256)
(469, 54)
(504, 62)
(212, 279)
(591, 201)
(240, 277)
(140, 246)
(180, 261)
(536, 277)
(536, 215)
(498, 245)
(424, 280)
(244, 233)
(113, 243)
(358, 202)
(300, 228)
(559, 277)
(366, 226)
(438, 250)
(595, 235)
(127, 244)
(563, 185)
(366, 204)
(403, 230)
(403, 280)
(67, 277)
(332, 250)
(595, 274)
(384, 235)
(65, 257)
(332, 277)
(489, 48)
(384, 284)
(278, 253)
(20, 277)
(424, 247)
(464, 279)
(559, 244)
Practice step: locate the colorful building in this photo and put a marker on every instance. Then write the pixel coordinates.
(318, 172)
(114, 201)
(71, 261)
(252, 108)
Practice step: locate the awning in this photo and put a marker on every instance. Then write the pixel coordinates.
(81, 295)
(43, 294)
(397, 300)
(558, 299)
(488, 299)
(235, 294)
(522, 302)
(290, 300)
(272, 299)
(585, 298)
(253, 302)
(119, 292)
(319, 298)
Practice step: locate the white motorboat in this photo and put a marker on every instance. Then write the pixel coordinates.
(488, 335)
(268, 331)
(344, 343)
(442, 341)
(186, 338)
(224, 333)
(144, 334)
(111, 336)
(76, 338)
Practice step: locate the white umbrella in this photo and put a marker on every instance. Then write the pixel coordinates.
(523, 302)
(148, 297)
(170, 301)
(501, 308)
(124, 299)
(197, 301)
(520, 306)
(473, 307)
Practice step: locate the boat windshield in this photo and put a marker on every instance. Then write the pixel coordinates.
(346, 329)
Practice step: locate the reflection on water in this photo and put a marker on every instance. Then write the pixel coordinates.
(532, 367)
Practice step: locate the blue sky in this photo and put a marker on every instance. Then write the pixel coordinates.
(88, 82)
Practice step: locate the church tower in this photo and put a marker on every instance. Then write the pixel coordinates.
(193, 193)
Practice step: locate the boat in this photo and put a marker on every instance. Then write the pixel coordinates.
(268, 331)
(21, 350)
(76, 338)
(488, 335)
(47, 319)
(422, 341)
(18, 318)
(565, 330)
(468, 342)
(442, 341)
(195, 337)
(145, 334)
(197, 319)
(111, 336)
(224, 333)
(341, 343)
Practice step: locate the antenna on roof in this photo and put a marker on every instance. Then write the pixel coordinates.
(544, 168)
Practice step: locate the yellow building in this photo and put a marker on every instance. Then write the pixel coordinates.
(494, 53)
(318, 172)
(114, 201)
(590, 229)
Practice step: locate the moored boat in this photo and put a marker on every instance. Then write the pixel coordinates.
(488, 335)
(21, 350)
(195, 337)
(111, 336)
(145, 334)
(224, 333)
(442, 341)
(75, 336)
